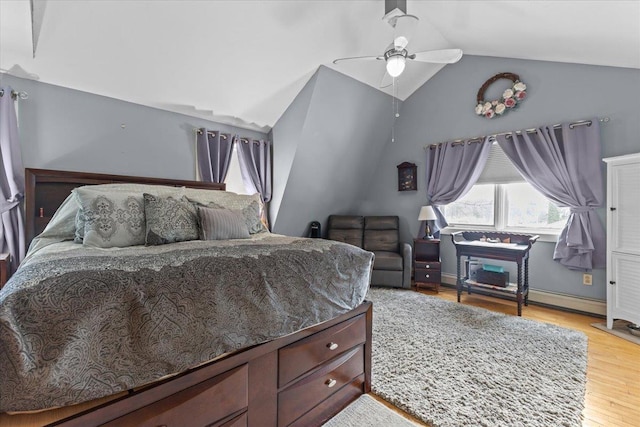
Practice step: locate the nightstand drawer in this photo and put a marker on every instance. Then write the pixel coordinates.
(428, 265)
(427, 276)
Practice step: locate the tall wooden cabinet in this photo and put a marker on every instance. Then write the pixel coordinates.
(623, 238)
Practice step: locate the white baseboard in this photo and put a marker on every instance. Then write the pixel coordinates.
(570, 302)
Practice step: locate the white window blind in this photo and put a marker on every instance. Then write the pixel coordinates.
(499, 169)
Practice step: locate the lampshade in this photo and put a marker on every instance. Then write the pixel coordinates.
(395, 65)
(426, 214)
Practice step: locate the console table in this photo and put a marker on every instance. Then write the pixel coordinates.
(468, 243)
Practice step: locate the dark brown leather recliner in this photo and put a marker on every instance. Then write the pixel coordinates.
(380, 235)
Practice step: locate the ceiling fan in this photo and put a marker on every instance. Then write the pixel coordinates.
(396, 54)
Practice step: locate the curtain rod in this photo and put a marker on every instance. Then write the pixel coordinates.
(532, 130)
(213, 133)
(209, 132)
(15, 95)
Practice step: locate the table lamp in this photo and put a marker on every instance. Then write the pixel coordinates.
(427, 214)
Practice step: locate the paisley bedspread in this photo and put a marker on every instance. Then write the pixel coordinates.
(78, 323)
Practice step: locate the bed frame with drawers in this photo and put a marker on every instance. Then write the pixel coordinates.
(302, 379)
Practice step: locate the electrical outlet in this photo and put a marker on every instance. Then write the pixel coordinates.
(586, 279)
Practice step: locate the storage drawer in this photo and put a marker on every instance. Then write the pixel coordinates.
(302, 396)
(321, 413)
(203, 404)
(240, 421)
(428, 265)
(427, 276)
(304, 355)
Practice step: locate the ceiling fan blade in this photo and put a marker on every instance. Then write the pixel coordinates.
(386, 81)
(380, 58)
(443, 56)
(404, 26)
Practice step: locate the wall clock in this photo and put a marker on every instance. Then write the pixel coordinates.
(407, 177)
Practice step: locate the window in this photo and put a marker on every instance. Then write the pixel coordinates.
(477, 207)
(527, 208)
(502, 200)
(234, 176)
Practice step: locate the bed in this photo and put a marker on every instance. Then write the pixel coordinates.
(260, 330)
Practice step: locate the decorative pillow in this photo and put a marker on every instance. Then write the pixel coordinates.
(248, 214)
(221, 224)
(131, 188)
(169, 220)
(80, 223)
(112, 219)
(249, 205)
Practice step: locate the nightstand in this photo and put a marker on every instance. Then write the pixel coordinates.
(5, 268)
(426, 258)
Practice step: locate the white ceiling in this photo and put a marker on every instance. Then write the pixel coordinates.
(243, 62)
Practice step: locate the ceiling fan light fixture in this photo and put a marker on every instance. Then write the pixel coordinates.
(400, 42)
(395, 65)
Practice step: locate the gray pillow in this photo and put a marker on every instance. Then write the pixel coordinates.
(135, 190)
(111, 219)
(169, 220)
(221, 224)
(250, 205)
(249, 214)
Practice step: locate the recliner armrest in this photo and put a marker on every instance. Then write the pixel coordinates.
(407, 259)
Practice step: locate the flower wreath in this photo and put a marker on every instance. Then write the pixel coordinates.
(509, 100)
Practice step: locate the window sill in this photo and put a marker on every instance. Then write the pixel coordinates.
(545, 235)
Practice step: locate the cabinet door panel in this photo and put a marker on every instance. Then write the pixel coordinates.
(623, 301)
(625, 198)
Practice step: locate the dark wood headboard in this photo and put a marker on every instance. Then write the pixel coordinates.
(45, 190)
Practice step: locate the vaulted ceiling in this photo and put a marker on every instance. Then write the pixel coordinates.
(243, 62)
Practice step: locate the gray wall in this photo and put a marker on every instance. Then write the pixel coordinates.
(288, 131)
(443, 109)
(332, 149)
(66, 129)
(326, 146)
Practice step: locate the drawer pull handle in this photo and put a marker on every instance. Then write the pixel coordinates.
(428, 266)
(331, 382)
(332, 346)
(427, 276)
(611, 282)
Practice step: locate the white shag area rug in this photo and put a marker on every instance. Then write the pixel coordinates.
(449, 364)
(366, 411)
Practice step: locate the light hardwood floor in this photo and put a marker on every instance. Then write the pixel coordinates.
(612, 397)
